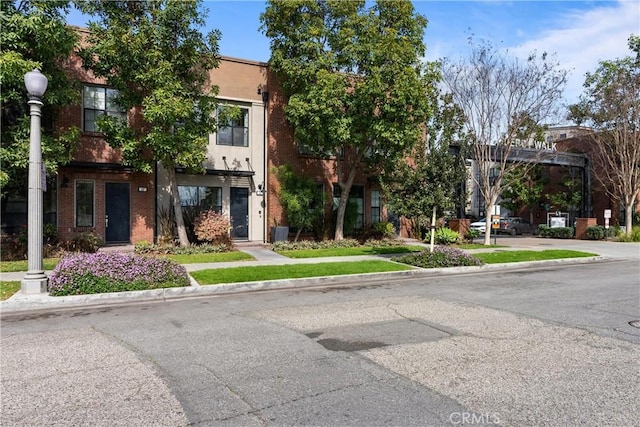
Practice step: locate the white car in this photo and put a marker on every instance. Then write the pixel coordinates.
(481, 225)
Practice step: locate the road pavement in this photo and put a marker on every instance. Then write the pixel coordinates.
(550, 344)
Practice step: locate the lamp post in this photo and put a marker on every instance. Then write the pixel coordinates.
(35, 281)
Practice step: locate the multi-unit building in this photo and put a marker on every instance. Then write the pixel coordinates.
(96, 192)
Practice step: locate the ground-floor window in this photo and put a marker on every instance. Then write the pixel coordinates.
(375, 206)
(356, 199)
(206, 198)
(84, 203)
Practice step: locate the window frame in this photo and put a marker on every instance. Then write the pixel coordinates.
(109, 96)
(76, 213)
(356, 190)
(376, 209)
(244, 130)
(199, 192)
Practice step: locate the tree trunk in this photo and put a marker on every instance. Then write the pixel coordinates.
(433, 229)
(177, 208)
(628, 215)
(342, 205)
(295, 239)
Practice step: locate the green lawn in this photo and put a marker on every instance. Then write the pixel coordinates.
(360, 250)
(522, 256)
(478, 246)
(210, 257)
(7, 289)
(292, 271)
(13, 266)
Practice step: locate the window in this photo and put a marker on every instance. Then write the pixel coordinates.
(206, 198)
(317, 152)
(84, 203)
(99, 101)
(375, 206)
(235, 131)
(356, 196)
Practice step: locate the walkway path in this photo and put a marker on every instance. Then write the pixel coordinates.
(264, 256)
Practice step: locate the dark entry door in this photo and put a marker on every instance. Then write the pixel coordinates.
(239, 213)
(117, 217)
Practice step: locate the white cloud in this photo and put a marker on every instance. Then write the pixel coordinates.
(582, 38)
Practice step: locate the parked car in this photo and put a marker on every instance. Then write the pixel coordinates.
(514, 225)
(481, 225)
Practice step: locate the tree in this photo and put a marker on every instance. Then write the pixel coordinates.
(611, 106)
(354, 81)
(429, 184)
(523, 186)
(505, 102)
(153, 53)
(34, 35)
(300, 198)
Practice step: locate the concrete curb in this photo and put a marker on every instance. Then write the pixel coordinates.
(25, 303)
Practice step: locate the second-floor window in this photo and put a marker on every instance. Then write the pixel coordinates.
(234, 131)
(98, 101)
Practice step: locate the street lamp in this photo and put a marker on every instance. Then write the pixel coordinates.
(35, 281)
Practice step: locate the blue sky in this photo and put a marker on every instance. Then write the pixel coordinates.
(580, 33)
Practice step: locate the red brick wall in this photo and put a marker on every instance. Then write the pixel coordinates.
(93, 149)
(282, 149)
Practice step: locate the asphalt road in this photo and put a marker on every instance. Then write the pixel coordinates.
(552, 346)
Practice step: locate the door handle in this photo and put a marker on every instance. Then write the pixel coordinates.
(106, 221)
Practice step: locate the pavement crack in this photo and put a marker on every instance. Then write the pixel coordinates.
(253, 411)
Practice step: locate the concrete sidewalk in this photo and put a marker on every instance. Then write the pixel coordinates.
(264, 256)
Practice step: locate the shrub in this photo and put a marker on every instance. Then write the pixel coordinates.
(113, 272)
(471, 234)
(309, 244)
(556, 233)
(87, 241)
(144, 247)
(442, 256)
(376, 231)
(634, 237)
(598, 232)
(212, 227)
(50, 233)
(385, 229)
(444, 236)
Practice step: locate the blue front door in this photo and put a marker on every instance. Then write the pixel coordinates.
(117, 215)
(239, 213)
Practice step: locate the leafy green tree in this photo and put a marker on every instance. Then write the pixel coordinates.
(34, 35)
(610, 104)
(429, 183)
(506, 102)
(153, 53)
(567, 195)
(353, 79)
(300, 198)
(523, 186)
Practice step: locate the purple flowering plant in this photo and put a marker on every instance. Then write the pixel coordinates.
(442, 256)
(85, 273)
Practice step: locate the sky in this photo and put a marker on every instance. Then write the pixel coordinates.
(579, 33)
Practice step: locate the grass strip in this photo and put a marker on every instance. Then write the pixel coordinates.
(23, 265)
(478, 246)
(360, 250)
(293, 271)
(522, 256)
(7, 289)
(210, 257)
